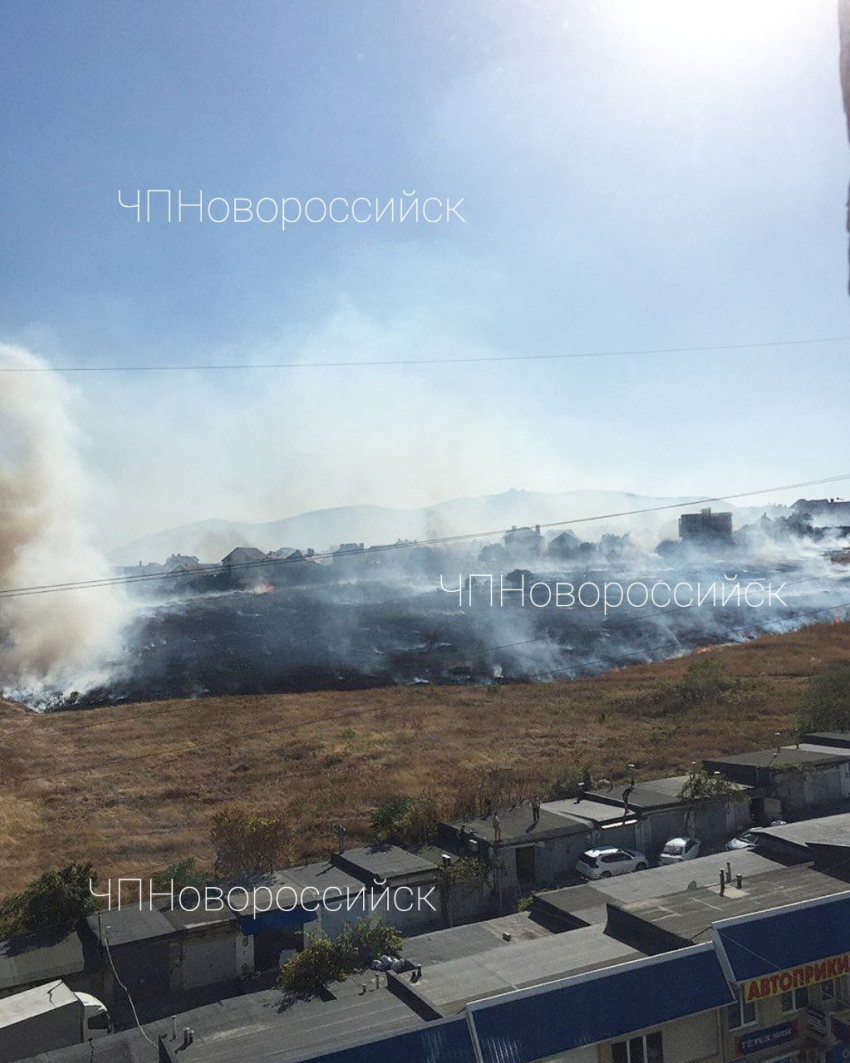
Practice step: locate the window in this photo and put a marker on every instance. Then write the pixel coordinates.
(827, 989)
(644, 1049)
(616, 858)
(740, 1014)
(796, 1000)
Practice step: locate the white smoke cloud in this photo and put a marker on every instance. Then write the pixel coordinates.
(59, 641)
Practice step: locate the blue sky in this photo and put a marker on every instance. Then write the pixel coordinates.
(633, 175)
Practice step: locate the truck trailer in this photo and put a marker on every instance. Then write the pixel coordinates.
(49, 1016)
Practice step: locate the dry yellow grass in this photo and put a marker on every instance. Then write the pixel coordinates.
(134, 787)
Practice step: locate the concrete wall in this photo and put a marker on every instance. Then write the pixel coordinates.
(416, 921)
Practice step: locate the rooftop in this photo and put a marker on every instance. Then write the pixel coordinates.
(583, 811)
(38, 957)
(518, 826)
(128, 924)
(256, 1028)
(322, 875)
(778, 940)
(589, 902)
(689, 915)
(602, 1007)
(786, 757)
(384, 862)
(447, 986)
(471, 939)
(838, 739)
(825, 830)
(643, 795)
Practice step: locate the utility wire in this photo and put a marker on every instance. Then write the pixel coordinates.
(384, 362)
(105, 937)
(204, 570)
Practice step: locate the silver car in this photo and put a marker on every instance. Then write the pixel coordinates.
(748, 840)
(679, 849)
(609, 861)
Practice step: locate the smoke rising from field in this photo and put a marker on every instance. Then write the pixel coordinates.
(58, 641)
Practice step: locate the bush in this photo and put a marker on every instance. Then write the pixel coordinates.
(465, 870)
(825, 704)
(566, 782)
(406, 821)
(323, 961)
(308, 972)
(55, 897)
(701, 785)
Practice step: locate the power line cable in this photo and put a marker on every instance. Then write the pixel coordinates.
(386, 362)
(266, 562)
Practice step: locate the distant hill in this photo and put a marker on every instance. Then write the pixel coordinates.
(210, 540)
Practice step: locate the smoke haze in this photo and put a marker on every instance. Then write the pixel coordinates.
(63, 640)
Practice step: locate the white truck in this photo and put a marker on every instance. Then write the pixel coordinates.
(49, 1016)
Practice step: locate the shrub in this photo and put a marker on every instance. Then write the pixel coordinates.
(701, 785)
(406, 821)
(53, 898)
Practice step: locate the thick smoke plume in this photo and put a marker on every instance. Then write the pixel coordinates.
(56, 642)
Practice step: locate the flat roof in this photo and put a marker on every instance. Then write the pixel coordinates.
(825, 830)
(518, 826)
(255, 1028)
(322, 875)
(471, 939)
(787, 756)
(585, 811)
(689, 915)
(589, 902)
(840, 739)
(385, 861)
(449, 985)
(34, 1002)
(38, 957)
(643, 795)
(130, 923)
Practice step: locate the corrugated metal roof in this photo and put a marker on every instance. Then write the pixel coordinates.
(444, 1041)
(537, 1023)
(786, 937)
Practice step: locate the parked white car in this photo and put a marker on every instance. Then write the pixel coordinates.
(748, 840)
(679, 849)
(610, 861)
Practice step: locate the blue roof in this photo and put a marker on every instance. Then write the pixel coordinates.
(584, 1009)
(757, 945)
(444, 1041)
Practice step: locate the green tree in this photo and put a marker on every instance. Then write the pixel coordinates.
(55, 897)
(825, 704)
(701, 785)
(388, 819)
(250, 843)
(322, 960)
